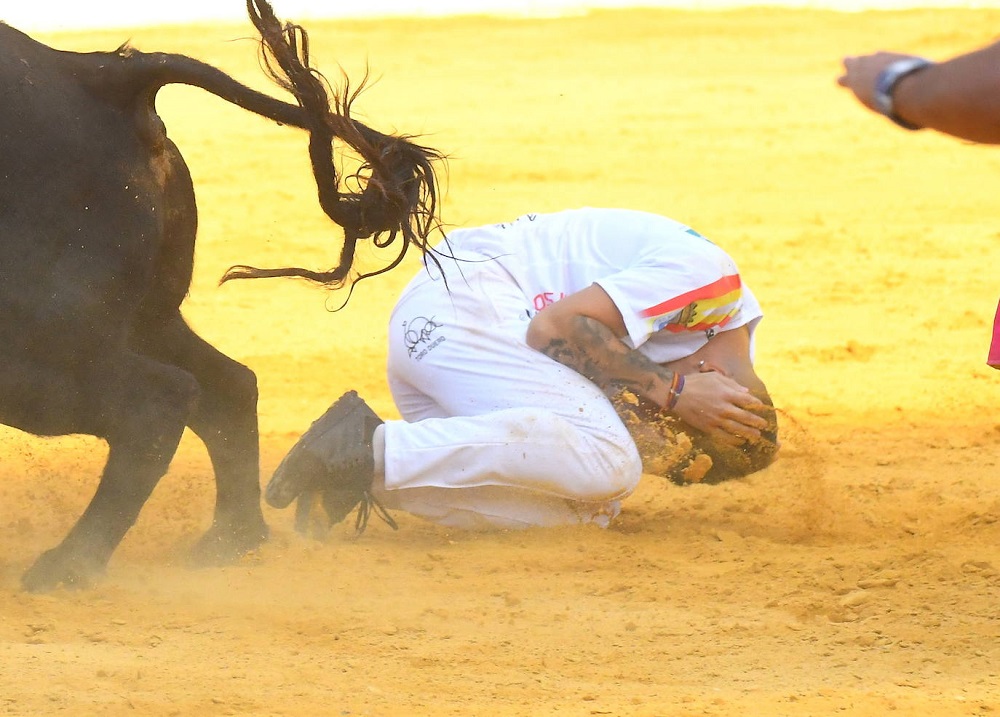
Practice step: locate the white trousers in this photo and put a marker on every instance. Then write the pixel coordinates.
(494, 434)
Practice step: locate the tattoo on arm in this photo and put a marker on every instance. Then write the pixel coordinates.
(592, 350)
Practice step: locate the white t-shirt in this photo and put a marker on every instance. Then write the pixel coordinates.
(674, 288)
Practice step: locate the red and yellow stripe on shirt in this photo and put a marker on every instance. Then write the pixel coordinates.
(707, 307)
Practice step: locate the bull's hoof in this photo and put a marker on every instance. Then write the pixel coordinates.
(224, 545)
(58, 568)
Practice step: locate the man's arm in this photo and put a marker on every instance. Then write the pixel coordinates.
(959, 97)
(583, 331)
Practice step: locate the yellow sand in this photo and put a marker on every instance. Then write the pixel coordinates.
(856, 576)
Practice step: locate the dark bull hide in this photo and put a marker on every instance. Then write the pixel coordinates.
(97, 236)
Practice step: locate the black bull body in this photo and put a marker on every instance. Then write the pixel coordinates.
(97, 240)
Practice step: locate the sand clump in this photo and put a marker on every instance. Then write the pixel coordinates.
(673, 450)
(666, 449)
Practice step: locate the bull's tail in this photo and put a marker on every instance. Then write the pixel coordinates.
(399, 187)
(397, 196)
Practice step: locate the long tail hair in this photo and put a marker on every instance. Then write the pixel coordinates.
(398, 191)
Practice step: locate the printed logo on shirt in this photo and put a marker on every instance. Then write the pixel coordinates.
(545, 298)
(419, 338)
(706, 308)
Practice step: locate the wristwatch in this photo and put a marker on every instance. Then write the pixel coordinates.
(886, 83)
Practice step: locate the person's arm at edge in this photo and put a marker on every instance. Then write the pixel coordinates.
(959, 97)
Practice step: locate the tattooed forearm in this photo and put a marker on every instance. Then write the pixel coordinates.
(591, 349)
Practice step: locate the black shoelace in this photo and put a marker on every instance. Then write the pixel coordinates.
(367, 505)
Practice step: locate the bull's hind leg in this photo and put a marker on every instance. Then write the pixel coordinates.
(140, 407)
(225, 419)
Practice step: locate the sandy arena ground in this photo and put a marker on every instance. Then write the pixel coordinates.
(860, 575)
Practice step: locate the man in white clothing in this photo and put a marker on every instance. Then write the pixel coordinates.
(503, 352)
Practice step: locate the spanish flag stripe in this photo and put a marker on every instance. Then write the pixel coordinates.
(711, 313)
(724, 285)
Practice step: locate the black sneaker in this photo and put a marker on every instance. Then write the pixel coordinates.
(333, 458)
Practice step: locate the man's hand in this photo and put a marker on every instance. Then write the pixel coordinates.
(861, 72)
(722, 408)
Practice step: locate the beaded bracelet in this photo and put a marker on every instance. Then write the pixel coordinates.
(676, 386)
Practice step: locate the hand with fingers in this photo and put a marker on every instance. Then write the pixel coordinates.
(861, 74)
(721, 408)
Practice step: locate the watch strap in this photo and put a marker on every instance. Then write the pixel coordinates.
(885, 85)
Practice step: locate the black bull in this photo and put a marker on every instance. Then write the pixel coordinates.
(97, 240)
